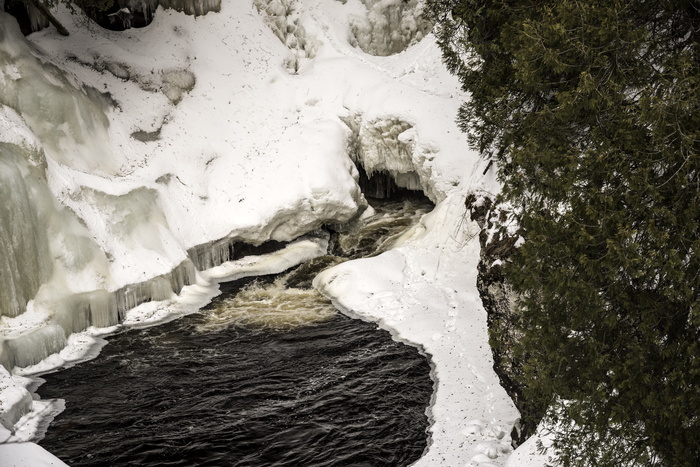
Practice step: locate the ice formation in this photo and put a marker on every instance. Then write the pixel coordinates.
(384, 150)
(284, 19)
(82, 243)
(139, 13)
(25, 264)
(35, 21)
(192, 7)
(143, 166)
(389, 26)
(67, 118)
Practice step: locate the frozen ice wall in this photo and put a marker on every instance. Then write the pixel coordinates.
(283, 17)
(69, 120)
(139, 13)
(390, 26)
(42, 114)
(44, 248)
(24, 249)
(385, 147)
(58, 275)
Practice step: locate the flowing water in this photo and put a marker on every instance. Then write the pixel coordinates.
(269, 374)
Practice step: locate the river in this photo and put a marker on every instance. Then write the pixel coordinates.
(268, 374)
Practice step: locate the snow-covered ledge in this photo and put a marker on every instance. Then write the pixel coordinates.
(424, 292)
(16, 453)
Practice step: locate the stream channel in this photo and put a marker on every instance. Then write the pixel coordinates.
(267, 374)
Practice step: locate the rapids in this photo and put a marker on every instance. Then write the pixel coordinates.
(269, 373)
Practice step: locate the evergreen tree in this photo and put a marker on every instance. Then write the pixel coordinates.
(591, 108)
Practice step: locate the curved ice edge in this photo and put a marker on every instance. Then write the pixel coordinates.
(395, 335)
(14, 452)
(24, 417)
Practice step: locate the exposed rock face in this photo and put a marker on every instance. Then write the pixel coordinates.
(123, 14)
(28, 17)
(498, 242)
(126, 14)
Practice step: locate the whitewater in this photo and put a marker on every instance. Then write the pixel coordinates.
(135, 163)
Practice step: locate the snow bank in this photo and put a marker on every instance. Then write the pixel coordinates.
(425, 293)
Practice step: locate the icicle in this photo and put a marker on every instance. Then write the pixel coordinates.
(211, 254)
(158, 288)
(383, 151)
(32, 347)
(193, 7)
(409, 181)
(103, 309)
(77, 312)
(24, 254)
(184, 274)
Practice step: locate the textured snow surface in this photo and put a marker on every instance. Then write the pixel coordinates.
(425, 292)
(15, 453)
(243, 125)
(529, 455)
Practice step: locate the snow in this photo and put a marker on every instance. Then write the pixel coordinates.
(14, 453)
(294, 253)
(424, 291)
(528, 454)
(242, 126)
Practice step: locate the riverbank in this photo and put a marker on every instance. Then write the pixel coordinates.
(424, 292)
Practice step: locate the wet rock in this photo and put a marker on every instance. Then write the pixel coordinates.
(499, 239)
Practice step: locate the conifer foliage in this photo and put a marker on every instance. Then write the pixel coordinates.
(591, 109)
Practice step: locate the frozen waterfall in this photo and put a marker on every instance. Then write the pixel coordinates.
(24, 262)
(390, 26)
(50, 262)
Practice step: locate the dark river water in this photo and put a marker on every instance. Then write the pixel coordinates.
(267, 375)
